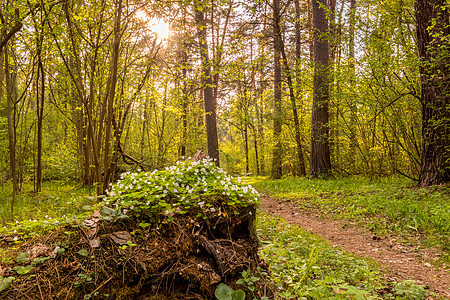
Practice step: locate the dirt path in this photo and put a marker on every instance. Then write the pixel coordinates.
(399, 261)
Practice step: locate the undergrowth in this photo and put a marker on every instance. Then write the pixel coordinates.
(307, 267)
(57, 199)
(385, 206)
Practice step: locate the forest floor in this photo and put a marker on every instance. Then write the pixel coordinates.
(397, 259)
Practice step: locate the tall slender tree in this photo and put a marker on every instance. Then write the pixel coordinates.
(277, 115)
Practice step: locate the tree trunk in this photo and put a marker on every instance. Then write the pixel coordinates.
(11, 115)
(208, 97)
(351, 67)
(298, 43)
(40, 94)
(10, 98)
(433, 30)
(109, 166)
(185, 100)
(277, 122)
(320, 163)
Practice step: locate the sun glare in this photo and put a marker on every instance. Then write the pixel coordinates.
(157, 26)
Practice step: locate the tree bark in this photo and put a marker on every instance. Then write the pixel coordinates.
(298, 45)
(277, 122)
(320, 163)
(208, 97)
(110, 142)
(11, 115)
(351, 67)
(40, 94)
(433, 30)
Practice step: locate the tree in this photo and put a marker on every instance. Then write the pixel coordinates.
(433, 40)
(5, 36)
(320, 163)
(208, 96)
(277, 115)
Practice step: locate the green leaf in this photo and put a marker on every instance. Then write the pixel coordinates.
(23, 270)
(22, 258)
(40, 260)
(60, 251)
(238, 295)
(108, 211)
(5, 282)
(144, 224)
(223, 292)
(240, 281)
(86, 207)
(83, 252)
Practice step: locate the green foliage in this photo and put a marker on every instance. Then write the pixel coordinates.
(199, 189)
(303, 265)
(5, 282)
(224, 292)
(248, 280)
(22, 258)
(58, 200)
(384, 206)
(409, 290)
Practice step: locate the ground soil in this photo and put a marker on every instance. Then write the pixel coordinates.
(399, 260)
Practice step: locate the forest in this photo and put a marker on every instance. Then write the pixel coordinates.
(325, 101)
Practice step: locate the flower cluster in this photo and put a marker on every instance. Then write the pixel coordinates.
(189, 186)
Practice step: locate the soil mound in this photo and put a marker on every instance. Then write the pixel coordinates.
(170, 234)
(102, 259)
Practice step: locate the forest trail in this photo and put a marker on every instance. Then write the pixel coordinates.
(399, 261)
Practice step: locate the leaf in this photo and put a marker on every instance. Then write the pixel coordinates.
(144, 224)
(23, 270)
(108, 211)
(40, 260)
(22, 258)
(86, 207)
(238, 295)
(83, 252)
(5, 282)
(60, 251)
(223, 292)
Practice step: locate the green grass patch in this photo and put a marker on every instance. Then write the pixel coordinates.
(385, 206)
(57, 199)
(306, 267)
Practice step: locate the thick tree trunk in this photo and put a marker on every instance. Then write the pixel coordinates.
(277, 122)
(320, 164)
(208, 97)
(433, 30)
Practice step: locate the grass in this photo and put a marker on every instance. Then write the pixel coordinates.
(57, 199)
(306, 267)
(301, 264)
(386, 206)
